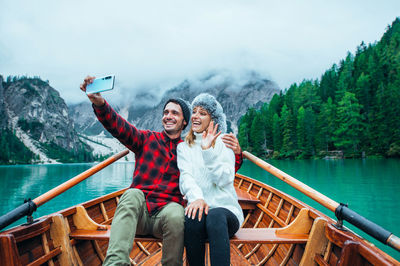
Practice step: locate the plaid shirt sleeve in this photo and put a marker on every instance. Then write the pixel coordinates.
(238, 161)
(121, 129)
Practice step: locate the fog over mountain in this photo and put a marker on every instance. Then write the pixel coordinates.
(236, 94)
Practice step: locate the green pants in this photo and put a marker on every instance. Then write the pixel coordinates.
(132, 217)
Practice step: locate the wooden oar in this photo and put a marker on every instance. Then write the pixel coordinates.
(30, 206)
(341, 211)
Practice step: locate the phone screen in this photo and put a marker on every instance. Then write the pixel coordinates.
(101, 84)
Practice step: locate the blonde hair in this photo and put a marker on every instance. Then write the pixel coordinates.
(190, 137)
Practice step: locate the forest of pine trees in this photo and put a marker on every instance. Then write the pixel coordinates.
(353, 109)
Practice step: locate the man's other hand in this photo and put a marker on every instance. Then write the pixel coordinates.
(95, 98)
(231, 142)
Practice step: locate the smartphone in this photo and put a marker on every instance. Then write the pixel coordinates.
(105, 83)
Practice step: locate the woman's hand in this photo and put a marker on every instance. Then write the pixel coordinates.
(209, 136)
(192, 208)
(95, 98)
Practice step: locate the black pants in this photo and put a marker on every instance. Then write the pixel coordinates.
(218, 226)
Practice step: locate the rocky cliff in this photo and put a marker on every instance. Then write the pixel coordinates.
(3, 117)
(38, 117)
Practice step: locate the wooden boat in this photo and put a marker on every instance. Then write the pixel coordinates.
(278, 230)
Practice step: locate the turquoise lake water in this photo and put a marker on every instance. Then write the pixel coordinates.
(371, 187)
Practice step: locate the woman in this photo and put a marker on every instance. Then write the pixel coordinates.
(207, 171)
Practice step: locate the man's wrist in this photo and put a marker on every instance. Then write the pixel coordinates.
(99, 103)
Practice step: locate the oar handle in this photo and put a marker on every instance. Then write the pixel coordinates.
(77, 179)
(25, 209)
(312, 193)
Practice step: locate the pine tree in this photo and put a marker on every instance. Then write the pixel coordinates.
(300, 130)
(309, 126)
(326, 126)
(349, 121)
(288, 138)
(243, 136)
(257, 135)
(276, 133)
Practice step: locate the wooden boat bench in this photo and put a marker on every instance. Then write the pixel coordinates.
(244, 235)
(246, 201)
(295, 233)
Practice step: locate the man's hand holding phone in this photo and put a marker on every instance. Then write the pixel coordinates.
(95, 98)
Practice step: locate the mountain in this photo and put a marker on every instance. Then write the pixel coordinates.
(236, 95)
(35, 118)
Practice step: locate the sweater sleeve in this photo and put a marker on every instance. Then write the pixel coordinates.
(220, 164)
(238, 161)
(187, 184)
(121, 129)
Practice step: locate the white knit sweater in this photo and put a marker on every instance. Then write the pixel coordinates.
(208, 175)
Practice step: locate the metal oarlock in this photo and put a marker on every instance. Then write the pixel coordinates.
(339, 216)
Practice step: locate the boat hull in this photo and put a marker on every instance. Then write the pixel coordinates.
(278, 230)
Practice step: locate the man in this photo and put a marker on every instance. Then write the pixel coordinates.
(153, 205)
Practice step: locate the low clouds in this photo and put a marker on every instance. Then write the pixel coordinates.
(157, 44)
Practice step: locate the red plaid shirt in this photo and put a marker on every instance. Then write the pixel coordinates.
(156, 172)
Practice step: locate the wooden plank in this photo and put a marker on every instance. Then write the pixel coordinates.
(317, 243)
(271, 215)
(246, 197)
(152, 259)
(288, 255)
(350, 254)
(267, 236)
(98, 250)
(59, 233)
(320, 260)
(328, 251)
(83, 221)
(46, 257)
(46, 248)
(140, 245)
(103, 211)
(82, 234)
(287, 221)
(8, 251)
(269, 255)
(237, 257)
(246, 206)
(248, 255)
(244, 235)
(301, 224)
(25, 232)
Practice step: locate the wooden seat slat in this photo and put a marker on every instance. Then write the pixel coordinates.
(83, 234)
(46, 257)
(244, 235)
(246, 201)
(244, 196)
(267, 236)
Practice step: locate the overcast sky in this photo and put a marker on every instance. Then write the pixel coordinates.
(158, 44)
